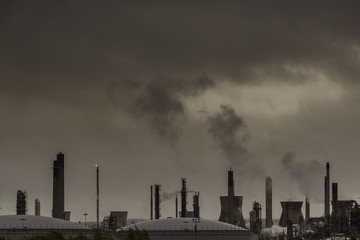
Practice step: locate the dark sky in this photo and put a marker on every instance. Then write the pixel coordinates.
(153, 92)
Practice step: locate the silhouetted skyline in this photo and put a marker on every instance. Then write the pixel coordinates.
(154, 92)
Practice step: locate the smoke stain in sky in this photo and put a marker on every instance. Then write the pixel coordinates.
(159, 101)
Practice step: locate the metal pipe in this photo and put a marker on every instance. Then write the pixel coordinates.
(176, 207)
(97, 195)
(151, 202)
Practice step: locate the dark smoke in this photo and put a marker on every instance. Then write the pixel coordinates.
(159, 101)
(308, 175)
(229, 131)
(168, 196)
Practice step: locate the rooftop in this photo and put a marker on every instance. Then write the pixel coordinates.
(183, 224)
(36, 222)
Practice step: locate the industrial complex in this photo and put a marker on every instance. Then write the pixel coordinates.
(341, 218)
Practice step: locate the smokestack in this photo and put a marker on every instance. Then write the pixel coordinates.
(21, 207)
(335, 199)
(58, 187)
(307, 208)
(289, 229)
(231, 205)
(151, 202)
(97, 196)
(183, 198)
(268, 195)
(327, 190)
(230, 197)
(157, 201)
(196, 205)
(176, 207)
(230, 183)
(37, 207)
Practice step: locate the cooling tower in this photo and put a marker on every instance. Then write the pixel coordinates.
(58, 187)
(291, 211)
(231, 206)
(268, 196)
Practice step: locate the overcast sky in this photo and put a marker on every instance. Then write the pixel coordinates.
(153, 92)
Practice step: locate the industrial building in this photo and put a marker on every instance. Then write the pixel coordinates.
(21, 203)
(59, 189)
(16, 227)
(231, 205)
(291, 211)
(189, 228)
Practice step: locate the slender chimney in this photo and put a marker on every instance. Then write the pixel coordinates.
(307, 208)
(327, 190)
(151, 202)
(335, 199)
(97, 196)
(289, 221)
(176, 207)
(268, 195)
(230, 183)
(183, 198)
(196, 205)
(58, 187)
(231, 219)
(37, 207)
(157, 201)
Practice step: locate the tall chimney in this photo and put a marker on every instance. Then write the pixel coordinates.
(327, 191)
(157, 201)
(196, 205)
(97, 196)
(307, 208)
(268, 195)
(176, 207)
(335, 199)
(183, 198)
(37, 207)
(151, 202)
(230, 197)
(58, 187)
(289, 229)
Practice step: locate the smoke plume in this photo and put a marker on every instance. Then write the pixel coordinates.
(159, 101)
(229, 131)
(168, 196)
(308, 175)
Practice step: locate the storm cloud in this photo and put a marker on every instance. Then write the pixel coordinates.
(160, 100)
(229, 131)
(91, 79)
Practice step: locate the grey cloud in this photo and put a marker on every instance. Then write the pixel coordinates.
(57, 58)
(307, 175)
(242, 41)
(160, 101)
(229, 131)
